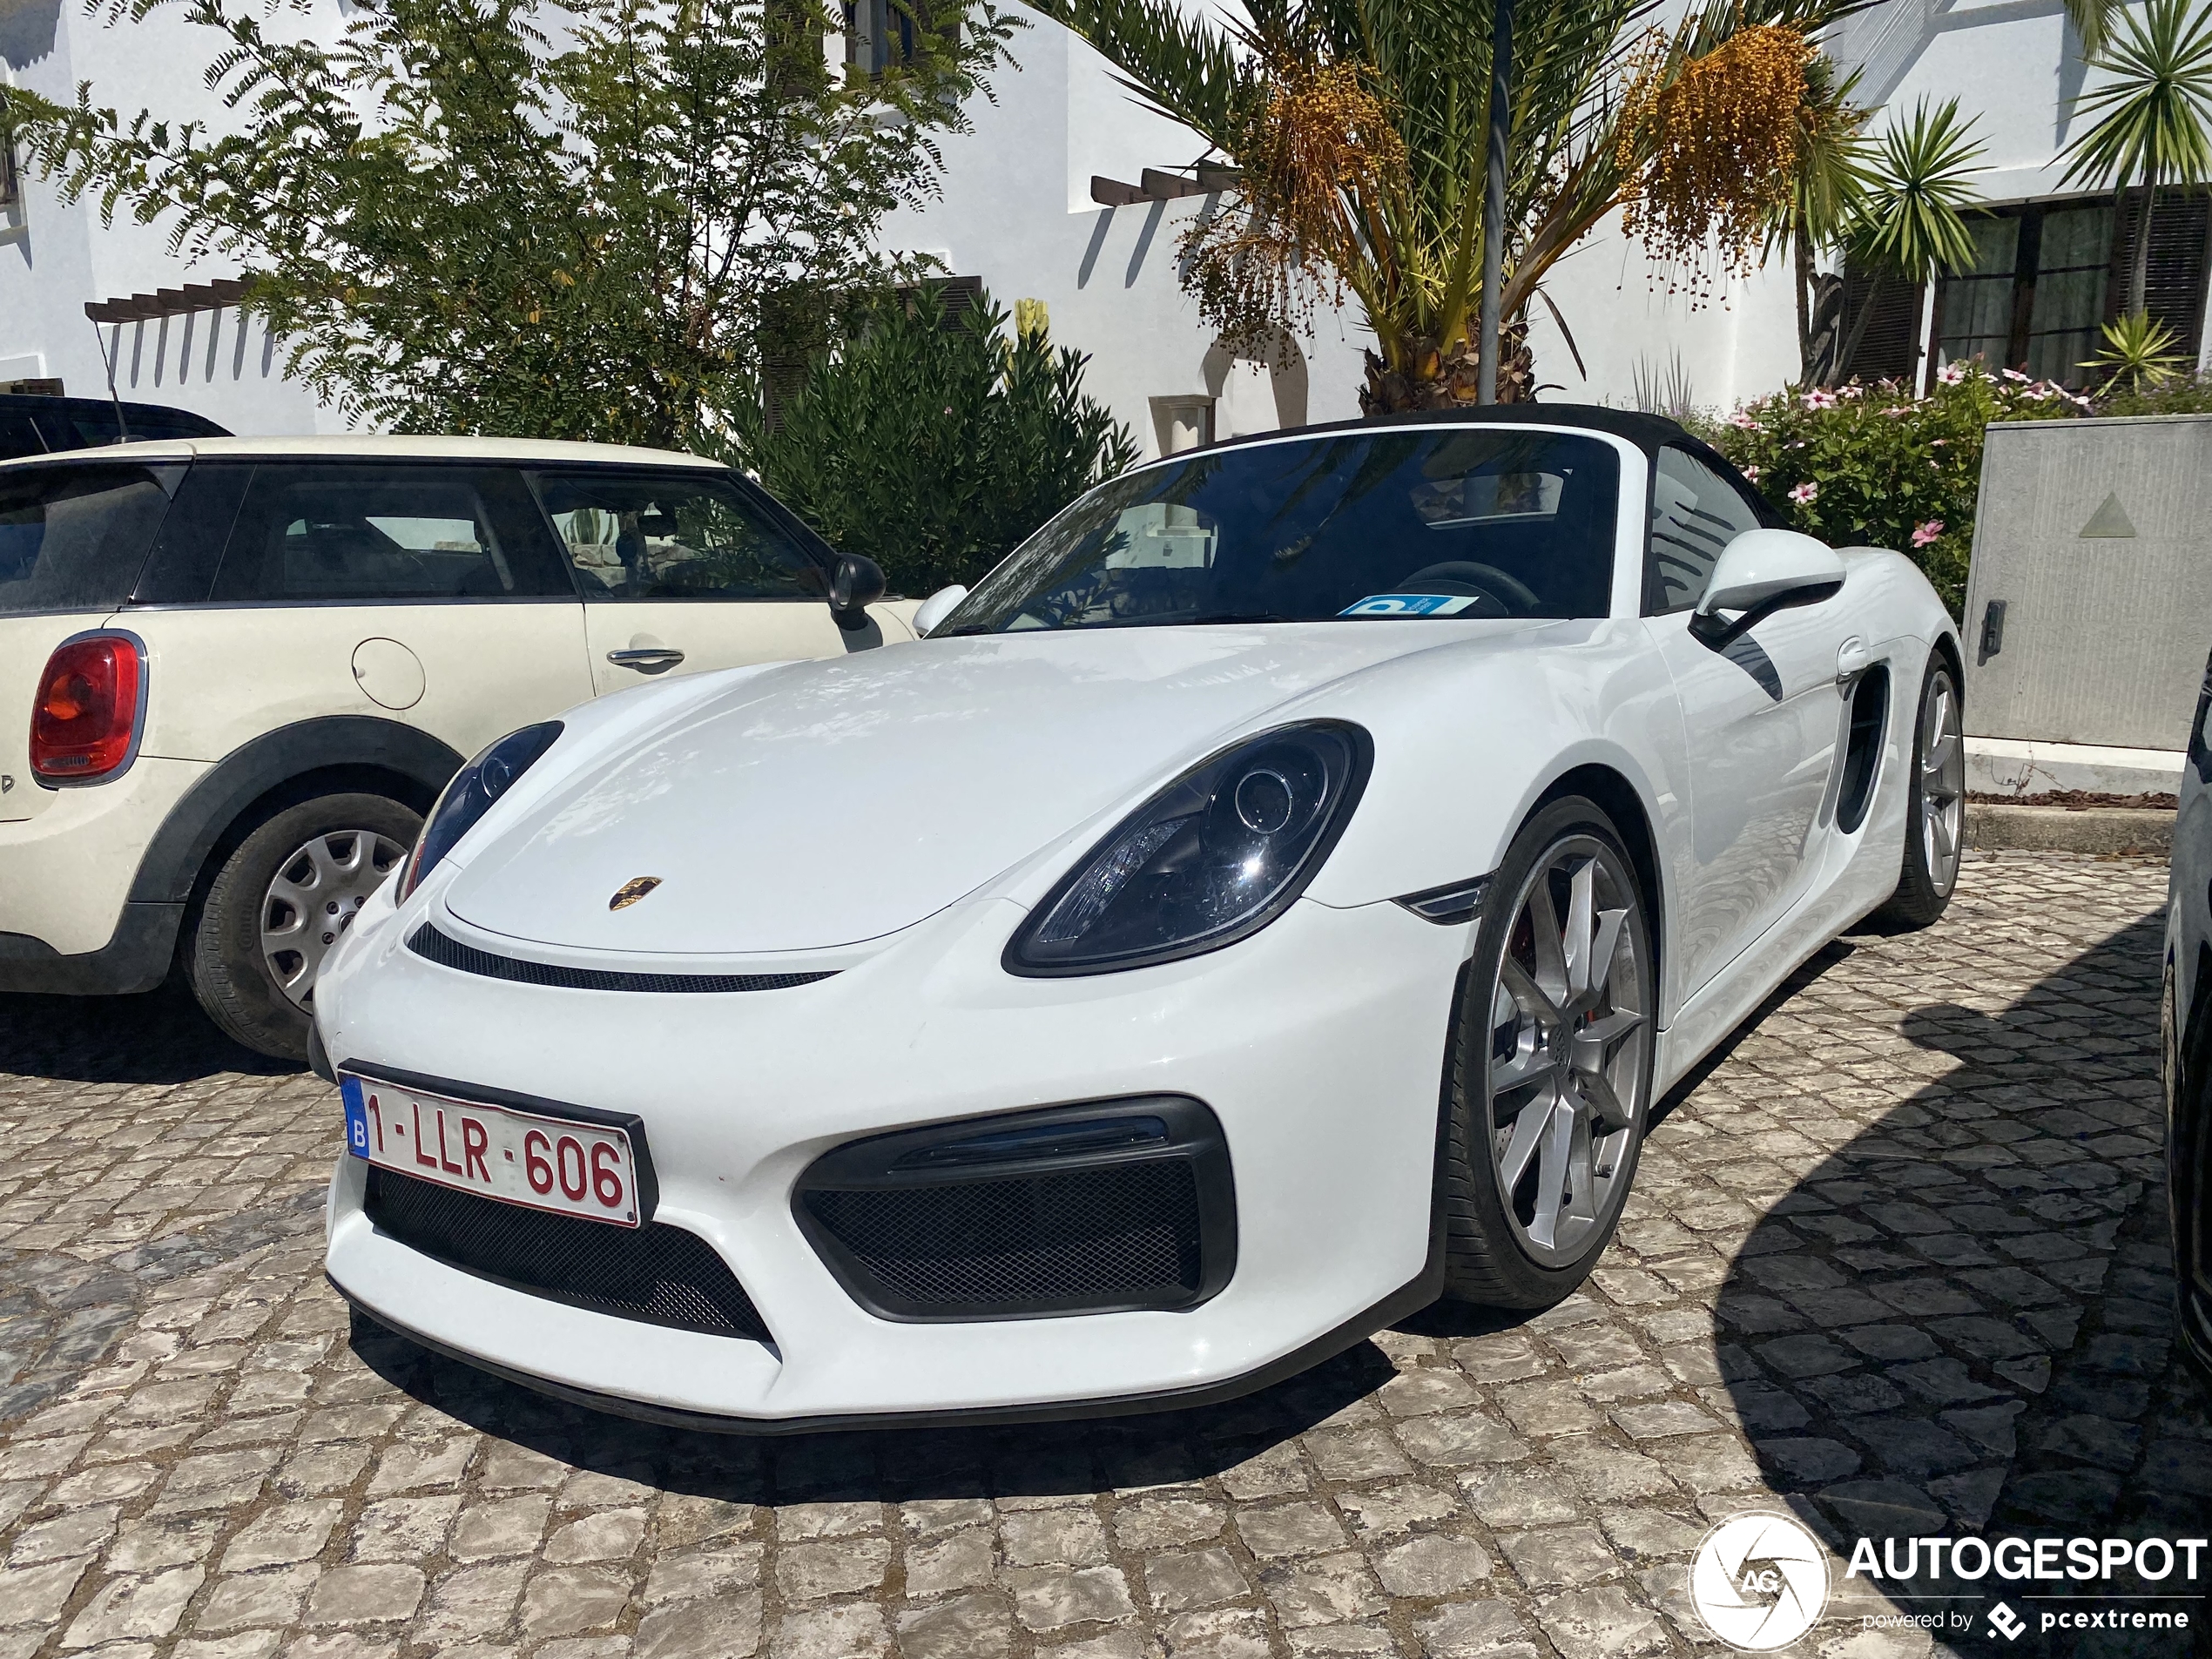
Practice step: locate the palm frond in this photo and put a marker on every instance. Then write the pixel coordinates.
(2155, 126)
(1911, 218)
(1185, 66)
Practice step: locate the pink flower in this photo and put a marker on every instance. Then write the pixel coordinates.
(1853, 390)
(2016, 377)
(1805, 493)
(1743, 419)
(1752, 473)
(1939, 443)
(1819, 400)
(1952, 374)
(1927, 532)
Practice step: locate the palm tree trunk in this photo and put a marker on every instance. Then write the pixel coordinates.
(1433, 380)
(1804, 251)
(2139, 267)
(1858, 328)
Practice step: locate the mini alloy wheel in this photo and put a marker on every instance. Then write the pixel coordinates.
(276, 905)
(313, 901)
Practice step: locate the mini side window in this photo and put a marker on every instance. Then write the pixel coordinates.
(1695, 513)
(637, 535)
(365, 534)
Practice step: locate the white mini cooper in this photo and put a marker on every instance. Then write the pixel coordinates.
(235, 673)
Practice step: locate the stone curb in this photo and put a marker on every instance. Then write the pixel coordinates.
(2060, 829)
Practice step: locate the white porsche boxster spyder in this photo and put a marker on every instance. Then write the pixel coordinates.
(1273, 899)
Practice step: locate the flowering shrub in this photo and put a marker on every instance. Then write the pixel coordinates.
(1878, 467)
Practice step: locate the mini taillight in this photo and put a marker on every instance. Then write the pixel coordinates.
(87, 709)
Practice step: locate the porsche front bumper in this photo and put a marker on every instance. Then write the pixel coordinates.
(1319, 1045)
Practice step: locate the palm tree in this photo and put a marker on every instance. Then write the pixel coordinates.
(1829, 179)
(2157, 109)
(1360, 127)
(1909, 221)
(2092, 20)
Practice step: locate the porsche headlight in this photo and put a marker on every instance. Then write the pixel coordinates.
(1211, 859)
(469, 796)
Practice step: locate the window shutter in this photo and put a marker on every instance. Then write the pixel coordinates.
(2174, 287)
(1890, 349)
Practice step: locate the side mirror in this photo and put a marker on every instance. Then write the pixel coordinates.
(1761, 572)
(938, 606)
(855, 584)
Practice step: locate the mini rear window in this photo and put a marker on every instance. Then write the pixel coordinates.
(72, 538)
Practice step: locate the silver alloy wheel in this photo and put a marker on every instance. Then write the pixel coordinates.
(1943, 783)
(1568, 1031)
(313, 901)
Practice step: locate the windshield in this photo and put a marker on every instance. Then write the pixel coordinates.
(1441, 522)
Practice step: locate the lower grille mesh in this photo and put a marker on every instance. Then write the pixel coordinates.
(658, 1274)
(1117, 1235)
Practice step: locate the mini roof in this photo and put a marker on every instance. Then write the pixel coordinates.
(358, 447)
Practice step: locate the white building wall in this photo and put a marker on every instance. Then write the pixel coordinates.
(1016, 212)
(55, 257)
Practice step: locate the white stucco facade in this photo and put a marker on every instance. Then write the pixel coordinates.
(1016, 210)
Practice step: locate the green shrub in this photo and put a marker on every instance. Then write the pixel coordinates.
(2179, 394)
(934, 444)
(1878, 467)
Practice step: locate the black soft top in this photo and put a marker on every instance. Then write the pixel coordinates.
(1650, 432)
(1647, 432)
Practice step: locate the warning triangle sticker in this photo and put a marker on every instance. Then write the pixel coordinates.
(2109, 522)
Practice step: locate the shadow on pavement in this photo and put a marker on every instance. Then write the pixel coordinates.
(159, 1037)
(1959, 1325)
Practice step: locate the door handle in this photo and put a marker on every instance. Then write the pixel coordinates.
(645, 658)
(1851, 659)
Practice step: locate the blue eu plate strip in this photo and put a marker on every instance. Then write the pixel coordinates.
(350, 1090)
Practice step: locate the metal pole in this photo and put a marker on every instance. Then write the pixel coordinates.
(1494, 203)
(121, 425)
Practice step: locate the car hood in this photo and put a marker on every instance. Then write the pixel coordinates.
(820, 803)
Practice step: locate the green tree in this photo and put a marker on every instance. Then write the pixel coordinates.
(2092, 21)
(2155, 112)
(1361, 128)
(1909, 222)
(1828, 179)
(934, 444)
(505, 216)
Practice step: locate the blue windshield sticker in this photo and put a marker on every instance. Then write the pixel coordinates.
(1409, 604)
(350, 1090)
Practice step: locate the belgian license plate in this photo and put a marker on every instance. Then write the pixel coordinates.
(517, 1158)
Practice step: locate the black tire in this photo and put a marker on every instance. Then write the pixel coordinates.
(232, 972)
(1494, 1255)
(1934, 806)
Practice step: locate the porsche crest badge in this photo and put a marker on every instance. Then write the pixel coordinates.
(632, 891)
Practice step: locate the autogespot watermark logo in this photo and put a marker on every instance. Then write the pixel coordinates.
(2148, 1584)
(1759, 1580)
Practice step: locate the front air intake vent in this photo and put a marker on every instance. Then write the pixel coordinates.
(1103, 1208)
(432, 946)
(656, 1274)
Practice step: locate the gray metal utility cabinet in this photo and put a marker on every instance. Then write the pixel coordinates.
(2089, 604)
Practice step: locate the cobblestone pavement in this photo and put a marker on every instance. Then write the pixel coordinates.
(1896, 1260)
